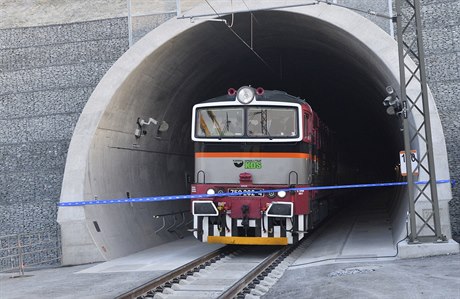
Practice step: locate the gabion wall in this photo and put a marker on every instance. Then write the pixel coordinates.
(442, 49)
(47, 74)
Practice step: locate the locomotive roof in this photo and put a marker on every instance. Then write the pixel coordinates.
(269, 95)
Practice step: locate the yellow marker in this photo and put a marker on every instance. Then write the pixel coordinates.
(247, 240)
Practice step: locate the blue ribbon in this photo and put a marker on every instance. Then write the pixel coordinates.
(195, 196)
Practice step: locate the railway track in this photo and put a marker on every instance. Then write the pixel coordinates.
(230, 272)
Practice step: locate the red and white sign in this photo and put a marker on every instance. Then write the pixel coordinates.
(413, 162)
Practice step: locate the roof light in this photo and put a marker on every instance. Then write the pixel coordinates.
(260, 91)
(245, 95)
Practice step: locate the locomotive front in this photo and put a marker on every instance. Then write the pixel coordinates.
(249, 144)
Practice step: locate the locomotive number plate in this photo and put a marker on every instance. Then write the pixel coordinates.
(256, 192)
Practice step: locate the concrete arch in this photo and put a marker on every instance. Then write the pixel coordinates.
(338, 60)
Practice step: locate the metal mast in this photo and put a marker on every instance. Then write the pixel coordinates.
(417, 128)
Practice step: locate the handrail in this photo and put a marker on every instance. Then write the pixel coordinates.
(173, 227)
(198, 177)
(296, 175)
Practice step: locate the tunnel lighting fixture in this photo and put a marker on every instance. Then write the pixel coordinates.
(245, 95)
(392, 102)
(162, 126)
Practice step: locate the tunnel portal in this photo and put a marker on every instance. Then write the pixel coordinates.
(339, 62)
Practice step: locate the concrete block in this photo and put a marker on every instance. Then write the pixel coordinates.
(83, 252)
(406, 250)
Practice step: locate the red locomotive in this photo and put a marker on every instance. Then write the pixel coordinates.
(249, 144)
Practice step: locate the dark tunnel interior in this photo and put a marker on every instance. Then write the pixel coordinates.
(310, 59)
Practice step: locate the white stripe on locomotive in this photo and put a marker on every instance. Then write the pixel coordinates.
(195, 226)
(265, 234)
(215, 231)
(287, 228)
(277, 231)
(205, 228)
(301, 220)
(228, 221)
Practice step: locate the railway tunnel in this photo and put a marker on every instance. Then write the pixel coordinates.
(335, 59)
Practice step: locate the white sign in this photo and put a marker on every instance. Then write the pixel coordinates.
(413, 162)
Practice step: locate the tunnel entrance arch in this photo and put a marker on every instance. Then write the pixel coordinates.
(335, 59)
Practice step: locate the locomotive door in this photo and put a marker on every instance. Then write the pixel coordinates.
(308, 140)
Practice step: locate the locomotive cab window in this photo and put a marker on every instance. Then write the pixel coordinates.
(219, 122)
(272, 122)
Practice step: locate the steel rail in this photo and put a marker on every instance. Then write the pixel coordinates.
(174, 274)
(266, 264)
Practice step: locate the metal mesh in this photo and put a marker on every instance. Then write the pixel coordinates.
(21, 251)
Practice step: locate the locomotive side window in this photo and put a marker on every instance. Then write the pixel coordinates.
(219, 122)
(272, 122)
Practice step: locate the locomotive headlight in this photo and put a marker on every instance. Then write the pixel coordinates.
(211, 191)
(281, 194)
(245, 95)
